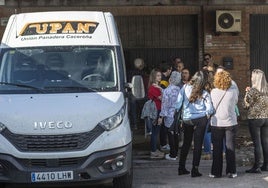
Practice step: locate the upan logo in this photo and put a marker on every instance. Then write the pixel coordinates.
(68, 27)
(52, 125)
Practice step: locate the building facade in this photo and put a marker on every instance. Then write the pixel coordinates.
(158, 31)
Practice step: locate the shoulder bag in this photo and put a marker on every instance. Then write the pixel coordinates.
(177, 118)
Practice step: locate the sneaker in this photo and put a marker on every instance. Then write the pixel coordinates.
(167, 157)
(157, 155)
(148, 134)
(213, 176)
(165, 147)
(160, 152)
(230, 175)
(206, 157)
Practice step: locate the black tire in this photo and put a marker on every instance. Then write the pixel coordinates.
(124, 181)
(2, 185)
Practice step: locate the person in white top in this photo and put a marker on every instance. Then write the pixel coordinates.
(223, 124)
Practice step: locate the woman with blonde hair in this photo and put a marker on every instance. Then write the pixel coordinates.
(155, 94)
(223, 124)
(256, 102)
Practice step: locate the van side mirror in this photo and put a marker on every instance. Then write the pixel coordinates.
(137, 87)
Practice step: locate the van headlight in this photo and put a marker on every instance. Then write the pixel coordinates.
(113, 121)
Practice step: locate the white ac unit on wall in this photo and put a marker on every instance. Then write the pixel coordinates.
(228, 21)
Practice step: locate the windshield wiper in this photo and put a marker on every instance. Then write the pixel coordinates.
(22, 85)
(79, 88)
(108, 88)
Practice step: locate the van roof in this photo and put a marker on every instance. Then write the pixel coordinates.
(60, 28)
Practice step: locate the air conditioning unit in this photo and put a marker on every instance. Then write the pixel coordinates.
(228, 21)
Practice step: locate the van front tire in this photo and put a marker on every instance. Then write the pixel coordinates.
(124, 181)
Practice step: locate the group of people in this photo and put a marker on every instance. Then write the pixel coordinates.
(206, 101)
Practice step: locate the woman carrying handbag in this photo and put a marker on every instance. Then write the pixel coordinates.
(169, 116)
(223, 124)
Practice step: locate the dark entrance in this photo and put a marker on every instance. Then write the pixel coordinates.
(159, 38)
(259, 42)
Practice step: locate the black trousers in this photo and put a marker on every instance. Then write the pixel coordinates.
(219, 137)
(163, 137)
(197, 131)
(173, 139)
(258, 129)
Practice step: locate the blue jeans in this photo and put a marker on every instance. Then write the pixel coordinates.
(154, 137)
(148, 124)
(155, 134)
(207, 141)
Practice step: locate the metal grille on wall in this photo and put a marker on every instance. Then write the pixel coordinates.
(159, 38)
(259, 42)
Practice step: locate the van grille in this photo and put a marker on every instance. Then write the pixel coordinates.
(53, 143)
(64, 162)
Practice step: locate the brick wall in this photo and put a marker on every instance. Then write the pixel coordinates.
(236, 46)
(221, 45)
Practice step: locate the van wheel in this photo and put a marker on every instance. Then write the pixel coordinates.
(124, 181)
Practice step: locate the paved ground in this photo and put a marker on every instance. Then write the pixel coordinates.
(163, 174)
(149, 173)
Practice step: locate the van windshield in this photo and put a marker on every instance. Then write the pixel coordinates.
(65, 69)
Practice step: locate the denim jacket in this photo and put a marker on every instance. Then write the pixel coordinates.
(149, 110)
(200, 108)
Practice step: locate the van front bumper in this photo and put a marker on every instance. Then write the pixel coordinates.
(98, 166)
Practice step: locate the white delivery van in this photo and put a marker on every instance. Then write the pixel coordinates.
(63, 100)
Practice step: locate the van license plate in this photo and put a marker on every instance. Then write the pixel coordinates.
(51, 176)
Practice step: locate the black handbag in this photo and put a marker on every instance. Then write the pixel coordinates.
(177, 121)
